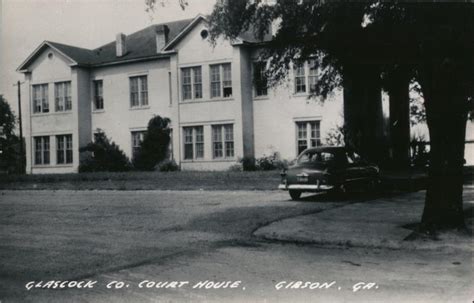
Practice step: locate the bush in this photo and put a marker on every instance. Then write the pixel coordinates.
(103, 155)
(248, 163)
(168, 165)
(264, 163)
(154, 147)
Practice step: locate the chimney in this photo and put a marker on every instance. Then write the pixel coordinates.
(161, 37)
(121, 45)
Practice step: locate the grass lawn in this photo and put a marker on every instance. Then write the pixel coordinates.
(184, 180)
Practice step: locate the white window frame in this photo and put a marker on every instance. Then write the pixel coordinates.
(62, 96)
(260, 67)
(40, 98)
(195, 83)
(223, 141)
(98, 91)
(64, 147)
(299, 73)
(141, 92)
(313, 75)
(195, 144)
(223, 81)
(309, 75)
(44, 150)
(311, 137)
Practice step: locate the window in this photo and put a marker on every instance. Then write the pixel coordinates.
(138, 91)
(40, 98)
(41, 150)
(223, 141)
(260, 79)
(137, 139)
(306, 75)
(352, 157)
(64, 149)
(221, 80)
(312, 75)
(308, 135)
(192, 83)
(300, 78)
(193, 142)
(98, 95)
(314, 156)
(62, 96)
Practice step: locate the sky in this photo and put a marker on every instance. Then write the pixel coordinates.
(25, 24)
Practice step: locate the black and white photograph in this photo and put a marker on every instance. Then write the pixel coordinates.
(236, 151)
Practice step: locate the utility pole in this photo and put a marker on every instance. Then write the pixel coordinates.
(22, 167)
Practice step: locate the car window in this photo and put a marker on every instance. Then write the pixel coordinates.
(353, 157)
(304, 158)
(316, 157)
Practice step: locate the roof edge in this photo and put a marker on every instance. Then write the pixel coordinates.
(186, 30)
(21, 68)
(157, 56)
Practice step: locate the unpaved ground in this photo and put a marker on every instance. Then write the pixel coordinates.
(197, 236)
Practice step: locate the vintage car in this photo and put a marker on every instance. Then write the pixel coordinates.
(331, 169)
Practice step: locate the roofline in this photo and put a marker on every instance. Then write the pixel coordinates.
(157, 56)
(22, 70)
(185, 31)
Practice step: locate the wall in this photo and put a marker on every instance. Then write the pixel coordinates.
(118, 119)
(276, 114)
(50, 70)
(193, 50)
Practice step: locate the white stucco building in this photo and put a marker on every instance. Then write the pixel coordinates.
(218, 113)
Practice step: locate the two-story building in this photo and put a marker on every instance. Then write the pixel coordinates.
(218, 112)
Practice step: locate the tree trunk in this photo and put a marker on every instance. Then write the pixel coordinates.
(446, 113)
(400, 119)
(363, 116)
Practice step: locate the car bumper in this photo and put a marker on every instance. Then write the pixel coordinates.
(306, 187)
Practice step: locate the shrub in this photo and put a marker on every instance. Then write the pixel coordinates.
(168, 165)
(154, 147)
(248, 163)
(264, 163)
(103, 155)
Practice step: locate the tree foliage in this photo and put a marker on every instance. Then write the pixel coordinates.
(7, 119)
(103, 155)
(430, 42)
(10, 157)
(152, 4)
(154, 147)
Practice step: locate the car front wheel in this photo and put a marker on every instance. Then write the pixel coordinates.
(295, 194)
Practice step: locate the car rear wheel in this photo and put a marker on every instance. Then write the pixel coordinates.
(295, 194)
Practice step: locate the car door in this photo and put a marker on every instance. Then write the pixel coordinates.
(355, 171)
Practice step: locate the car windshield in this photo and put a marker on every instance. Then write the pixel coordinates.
(316, 157)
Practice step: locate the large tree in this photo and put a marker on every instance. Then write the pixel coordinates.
(10, 156)
(355, 42)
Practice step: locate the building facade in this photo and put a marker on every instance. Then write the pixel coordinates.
(217, 98)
